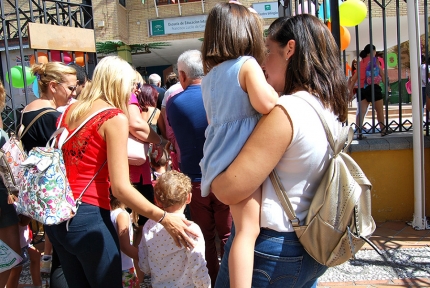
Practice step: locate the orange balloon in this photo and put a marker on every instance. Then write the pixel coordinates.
(41, 58)
(79, 58)
(345, 36)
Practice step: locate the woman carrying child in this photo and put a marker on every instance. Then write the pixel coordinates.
(235, 94)
(303, 59)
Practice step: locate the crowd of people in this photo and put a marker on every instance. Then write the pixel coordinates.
(213, 136)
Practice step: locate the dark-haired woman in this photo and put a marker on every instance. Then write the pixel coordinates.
(303, 59)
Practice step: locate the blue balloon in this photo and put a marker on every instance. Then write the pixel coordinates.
(36, 88)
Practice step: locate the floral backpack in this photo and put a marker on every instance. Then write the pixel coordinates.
(45, 194)
(12, 155)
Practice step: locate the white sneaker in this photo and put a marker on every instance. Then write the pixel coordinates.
(45, 264)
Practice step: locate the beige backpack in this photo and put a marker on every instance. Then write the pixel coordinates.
(339, 220)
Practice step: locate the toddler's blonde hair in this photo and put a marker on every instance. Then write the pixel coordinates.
(172, 188)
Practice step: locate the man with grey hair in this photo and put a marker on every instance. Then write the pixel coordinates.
(187, 117)
(155, 81)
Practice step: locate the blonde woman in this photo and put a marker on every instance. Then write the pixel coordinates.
(89, 248)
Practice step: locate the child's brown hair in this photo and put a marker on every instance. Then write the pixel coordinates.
(172, 188)
(163, 161)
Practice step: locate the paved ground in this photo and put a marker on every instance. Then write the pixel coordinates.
(405, 262)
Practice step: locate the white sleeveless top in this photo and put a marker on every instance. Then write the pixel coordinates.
(303, 163)
(126, 261)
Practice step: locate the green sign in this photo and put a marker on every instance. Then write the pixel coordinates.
(267, 7)
(157, 27)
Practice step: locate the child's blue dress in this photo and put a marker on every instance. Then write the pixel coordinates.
(231, 119)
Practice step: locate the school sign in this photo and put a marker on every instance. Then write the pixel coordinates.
(197, 23)
(177, 25)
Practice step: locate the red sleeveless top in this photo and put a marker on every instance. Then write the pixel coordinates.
(83, 155)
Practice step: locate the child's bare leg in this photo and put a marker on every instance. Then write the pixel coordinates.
(246, 218)
(137, 238)
(34, 255)
(48, 246)
(13, 280)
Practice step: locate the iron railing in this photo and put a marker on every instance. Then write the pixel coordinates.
(14, 19)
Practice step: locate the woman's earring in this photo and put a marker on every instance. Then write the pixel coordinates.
(286, 59)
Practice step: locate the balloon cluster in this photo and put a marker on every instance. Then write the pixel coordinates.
(56, 57)
(16, 74)
(351, 13)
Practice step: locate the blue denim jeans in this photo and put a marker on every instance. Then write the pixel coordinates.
(89, 252)
(279, 261)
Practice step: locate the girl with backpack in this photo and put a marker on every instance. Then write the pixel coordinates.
(371, 75)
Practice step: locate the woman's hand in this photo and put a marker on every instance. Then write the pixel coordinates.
(178, 228)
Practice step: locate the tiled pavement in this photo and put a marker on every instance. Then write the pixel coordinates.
(390, 237)
(395, 238)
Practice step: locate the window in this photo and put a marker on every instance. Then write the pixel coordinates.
(122, 2)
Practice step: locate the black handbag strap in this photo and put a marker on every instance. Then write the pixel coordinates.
(152, 115)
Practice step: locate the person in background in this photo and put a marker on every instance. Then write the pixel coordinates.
(9, 231)
(187, 116)
(140, 176)
(57, 88)
(159, 167)
(82, 77)
(122, 222)
(30, 253)
(171, 80)
(368, 54)
(164, 125)
(296, 139)
(155, 81)
(425, 77)
(169, 265)
(147, 97)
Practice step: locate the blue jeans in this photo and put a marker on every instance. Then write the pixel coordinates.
(279, 261)
(89, 252)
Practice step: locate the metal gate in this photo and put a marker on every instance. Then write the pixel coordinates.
(14, 44)
(385, 27)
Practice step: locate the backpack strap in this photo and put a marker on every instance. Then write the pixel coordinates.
(21, 130)
(283, 198)
(346, 134)
(65, 133)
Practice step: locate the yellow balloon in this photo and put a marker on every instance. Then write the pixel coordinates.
(352, 13)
